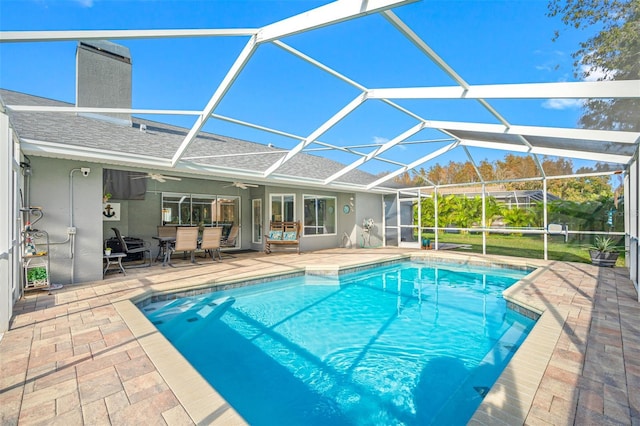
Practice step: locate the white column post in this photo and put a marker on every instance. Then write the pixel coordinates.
(484, 218)
(9, 267)
(545, 219)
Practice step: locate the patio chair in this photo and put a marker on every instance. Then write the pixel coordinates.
(167, 231)
(129, 249)
(186, 240)
(230, 240)
(211, 242)
(166, 235)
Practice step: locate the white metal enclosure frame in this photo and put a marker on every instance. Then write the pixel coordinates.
(600, 145)
(597, 145)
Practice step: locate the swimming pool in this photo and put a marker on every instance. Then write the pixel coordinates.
(401, 344)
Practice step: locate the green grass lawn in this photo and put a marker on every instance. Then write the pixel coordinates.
(529, 246)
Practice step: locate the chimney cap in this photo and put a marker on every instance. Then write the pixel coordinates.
(108, 47)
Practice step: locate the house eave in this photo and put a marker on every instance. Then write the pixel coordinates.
(79, 153)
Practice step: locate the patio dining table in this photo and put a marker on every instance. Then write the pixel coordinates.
(165, 243)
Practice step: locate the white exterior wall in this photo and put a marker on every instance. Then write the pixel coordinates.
(363, 206)
(74, 258)
(10, 260)
(369, 206)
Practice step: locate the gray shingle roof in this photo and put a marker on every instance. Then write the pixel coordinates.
(160, 141)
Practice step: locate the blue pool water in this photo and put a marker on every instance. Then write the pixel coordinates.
(405, 344)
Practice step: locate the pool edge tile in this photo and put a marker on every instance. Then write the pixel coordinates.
(201, 402)
(502, 403)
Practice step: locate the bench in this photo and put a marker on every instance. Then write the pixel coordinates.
(282, 234)
(558, 229)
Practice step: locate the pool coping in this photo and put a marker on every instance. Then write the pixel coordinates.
(517, 383)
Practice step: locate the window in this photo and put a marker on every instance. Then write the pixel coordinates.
(201, 210)
(319, 215)
(176, 209)
(283, 207)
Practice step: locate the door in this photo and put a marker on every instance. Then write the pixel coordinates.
(408, 213)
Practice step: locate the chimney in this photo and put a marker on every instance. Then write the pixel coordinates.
(103, 78)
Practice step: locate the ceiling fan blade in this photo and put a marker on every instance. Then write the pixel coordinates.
(241, 185)
(157, 177)
(162, 178)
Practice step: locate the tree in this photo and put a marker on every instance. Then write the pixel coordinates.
(487, 171)
(516, 166)
(613, 53)
(516, 217)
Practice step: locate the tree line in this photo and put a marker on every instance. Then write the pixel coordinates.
(581, 189)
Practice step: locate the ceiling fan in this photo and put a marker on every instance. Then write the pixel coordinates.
(241, 185)
(157, 177)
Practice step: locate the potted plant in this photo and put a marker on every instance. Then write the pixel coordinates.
(37, 277)
(367, 226)
(603, 252)
(426, 243)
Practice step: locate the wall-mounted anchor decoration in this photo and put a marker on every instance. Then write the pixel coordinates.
(111, 211)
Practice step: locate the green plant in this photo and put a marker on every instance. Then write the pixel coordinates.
(603, 244)
(37, 274)
(517, 217)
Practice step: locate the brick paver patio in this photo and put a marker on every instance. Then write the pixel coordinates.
(75, 357)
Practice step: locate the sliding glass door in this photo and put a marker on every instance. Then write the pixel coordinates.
(202, 210)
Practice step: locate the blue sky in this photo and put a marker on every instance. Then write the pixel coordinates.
(486, 42)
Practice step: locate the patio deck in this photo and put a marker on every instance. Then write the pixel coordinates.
(85, 355)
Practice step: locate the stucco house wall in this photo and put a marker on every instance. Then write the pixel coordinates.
(74, 258)
(78, 257)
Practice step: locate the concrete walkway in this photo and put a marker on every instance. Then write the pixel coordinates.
(85, 355)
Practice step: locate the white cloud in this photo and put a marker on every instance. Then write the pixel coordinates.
(380, 139)
(544, 67)
(597, 74)
(561, 104)
(550, 60)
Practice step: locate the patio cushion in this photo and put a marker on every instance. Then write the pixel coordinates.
(275, 235)
(289, 236)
